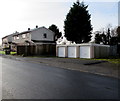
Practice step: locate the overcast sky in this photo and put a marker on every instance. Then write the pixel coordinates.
(19, 15)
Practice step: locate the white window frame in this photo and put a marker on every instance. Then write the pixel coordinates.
(23, 35)
(17, 38)
(14, 38)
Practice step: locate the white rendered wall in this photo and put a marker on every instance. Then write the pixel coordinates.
(39, 35)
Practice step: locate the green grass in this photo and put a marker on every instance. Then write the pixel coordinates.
(115, 61)
(111, 60)
(2, 52)
(11, 53)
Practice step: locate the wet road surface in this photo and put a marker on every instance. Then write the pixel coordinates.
(25, 80)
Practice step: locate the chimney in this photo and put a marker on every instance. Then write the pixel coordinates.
(36, 26)
(28, 29)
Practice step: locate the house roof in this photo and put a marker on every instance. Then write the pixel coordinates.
(24, 32)
(28, 31)
(10, 35)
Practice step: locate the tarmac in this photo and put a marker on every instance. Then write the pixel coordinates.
(97, 67)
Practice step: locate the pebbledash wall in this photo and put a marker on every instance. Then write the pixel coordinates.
(86, 50)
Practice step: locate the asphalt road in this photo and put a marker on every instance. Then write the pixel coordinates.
(25, 80)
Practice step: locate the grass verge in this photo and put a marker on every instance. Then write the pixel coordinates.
(115, 61)
(2, 52)
(11, 53)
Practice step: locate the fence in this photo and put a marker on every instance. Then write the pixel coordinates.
(113, 50)
(43, 49)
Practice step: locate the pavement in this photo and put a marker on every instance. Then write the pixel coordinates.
(84, 65)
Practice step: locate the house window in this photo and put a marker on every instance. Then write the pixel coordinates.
(17, 37)
(44, 35)
(23, 35)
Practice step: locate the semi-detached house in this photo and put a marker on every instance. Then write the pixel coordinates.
(40, 35)
(7, 41)
(35, 41)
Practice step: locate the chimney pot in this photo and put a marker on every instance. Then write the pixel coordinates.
(28, 29)
(36, 26)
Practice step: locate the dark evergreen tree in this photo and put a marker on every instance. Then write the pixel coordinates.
(104, 38)
(77, 25)
(54, 28)
(98, 38)
(118, 39)
(108, 37)
(118, 33)
(113, 41)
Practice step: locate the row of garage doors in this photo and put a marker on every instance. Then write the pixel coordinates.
(74, 52)
(83, 51)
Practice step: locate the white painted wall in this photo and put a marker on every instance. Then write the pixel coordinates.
(38, 34)
(10, 38)
(35, 34)
(21, 39)
(5, 40)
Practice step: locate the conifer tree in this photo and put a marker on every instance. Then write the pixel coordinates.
(77, 25)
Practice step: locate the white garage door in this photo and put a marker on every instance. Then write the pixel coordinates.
(72, 52)
(61, 52)
(84, 51)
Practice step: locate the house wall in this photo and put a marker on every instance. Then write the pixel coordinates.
(38, 35)
(35, 35)
(5, 43)
(21, 39)
(10, 38)
(5, 40)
